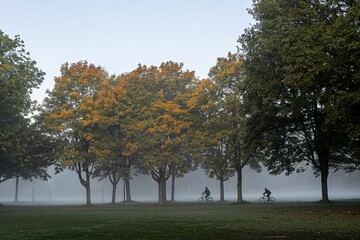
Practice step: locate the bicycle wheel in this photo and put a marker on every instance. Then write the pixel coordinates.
(272, 199)
(262, 199)
(210, 199)
(201, 199)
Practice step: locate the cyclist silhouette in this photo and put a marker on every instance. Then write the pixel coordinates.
(206, 193)
(267, 193)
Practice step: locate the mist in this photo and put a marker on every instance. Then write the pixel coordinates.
(65, 188)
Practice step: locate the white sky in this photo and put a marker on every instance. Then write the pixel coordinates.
(119, 34)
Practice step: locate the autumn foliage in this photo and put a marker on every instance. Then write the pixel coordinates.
(113, 126)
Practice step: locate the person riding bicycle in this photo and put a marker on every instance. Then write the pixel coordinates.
(267, 193)
(206, 193)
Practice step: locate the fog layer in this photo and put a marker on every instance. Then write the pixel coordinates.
(65, 188)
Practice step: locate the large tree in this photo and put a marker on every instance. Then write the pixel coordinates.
(20, 142)
(114, 137)
(219, 138)
(302, 81)
(227, 78)
(67, 117)
(210, 132)
(158, 99)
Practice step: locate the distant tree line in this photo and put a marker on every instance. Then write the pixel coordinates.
(288, 99)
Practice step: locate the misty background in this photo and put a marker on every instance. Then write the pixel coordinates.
(65, 188)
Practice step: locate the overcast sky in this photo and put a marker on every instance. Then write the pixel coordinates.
(119, 34)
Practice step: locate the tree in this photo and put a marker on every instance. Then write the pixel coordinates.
(36, 156)
(344, 91)
(210, 132)
(158, 99)
(114, 143)
(218, 101)
(66, 118)
(18, 76)
(296, 67)
(227, 76)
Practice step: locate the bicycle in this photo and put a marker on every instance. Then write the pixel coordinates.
(265, 199)
(202, 199)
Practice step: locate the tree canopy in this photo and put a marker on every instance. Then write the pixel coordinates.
(302, 80)
(218, 103)
(67, 118)
(19, 151)
(158, 98)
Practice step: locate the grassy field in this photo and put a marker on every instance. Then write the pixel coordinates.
(339, 220)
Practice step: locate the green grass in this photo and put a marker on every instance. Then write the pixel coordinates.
(183, 221)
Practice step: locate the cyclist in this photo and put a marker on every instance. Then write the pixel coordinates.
(206, 193)
(267, 193)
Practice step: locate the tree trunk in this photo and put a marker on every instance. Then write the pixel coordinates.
(161, 192)
(88, 192)
(222, 199)
(114, 180)
(239, 186)
(322, 149)
(324, 183)
(88, 196)
(127, 190)
(161, 178)
(324, 174)
(164, 191)
(113, 195)
(84, 182)
(17, 189)
(324, 187)
(172, 188)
